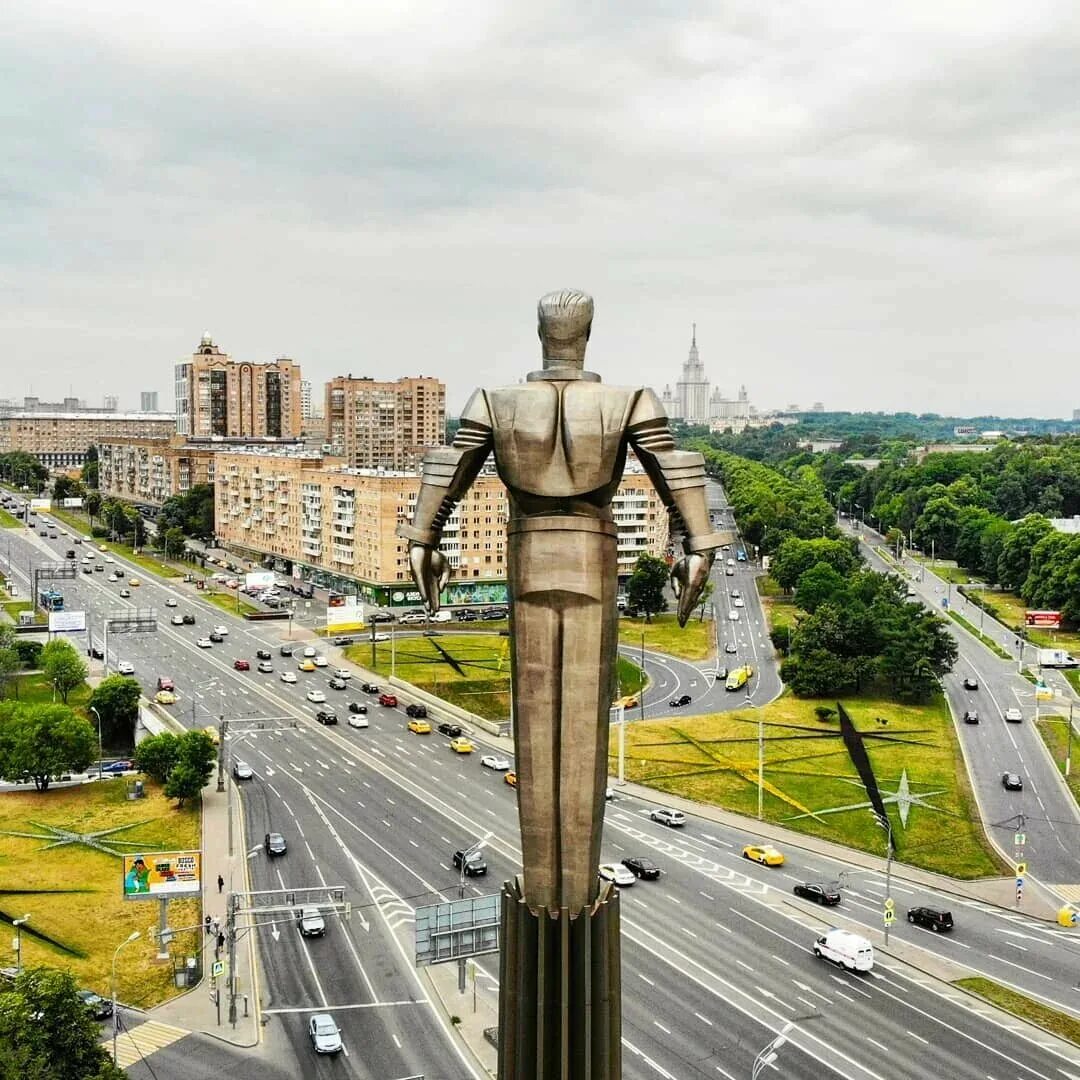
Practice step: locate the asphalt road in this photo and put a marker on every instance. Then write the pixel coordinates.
(1044, 812)
(717, 954)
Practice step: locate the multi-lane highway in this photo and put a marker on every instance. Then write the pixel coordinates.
(717, 954)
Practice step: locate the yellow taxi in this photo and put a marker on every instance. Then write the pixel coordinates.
(306, 665)
(165, 697)
(103, 547)
(419, 727)
(134, 581)
(631, 701)
(511, 779)
(212, 731)
(765, 854)
(461, 745)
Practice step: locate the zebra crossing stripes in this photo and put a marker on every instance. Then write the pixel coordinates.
(142, 1041)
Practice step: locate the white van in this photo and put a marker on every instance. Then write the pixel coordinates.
(848, 950)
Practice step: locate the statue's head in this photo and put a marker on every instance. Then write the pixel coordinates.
(564, 325)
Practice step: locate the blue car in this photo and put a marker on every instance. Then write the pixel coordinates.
(741, 555)
(117, 766)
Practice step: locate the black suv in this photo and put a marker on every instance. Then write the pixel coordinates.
(971, 716)
(931, 918)
(829, 895)
(325, 717)
(189, 620)
(370, 688)
(642, 867)
(381, 616)
(474, 865)
(452, 730)
(274, 844)
(286, 650)
(216, 638)
(417, 712)
(262, 654)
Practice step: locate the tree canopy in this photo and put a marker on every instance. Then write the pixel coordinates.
(117, 701)
(183, 763)
(41, 742)
(646, 585)
(63, 666)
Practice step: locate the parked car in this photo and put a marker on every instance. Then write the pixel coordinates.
(417, 711)
(411, 617)
(971, 683)
(242, 770)
(492, 761)
(934, 919)
(453, 730)
(1011, 781)
(311, 922)
(829, 895)
(679, 702)
(643, 867)
(325, 717)
(617, 873)
(241, 665)
(672, 818)
(115, 767)
(274, 844)
(765, 854)
(325, 1034)
(475, 863)
(389, 700)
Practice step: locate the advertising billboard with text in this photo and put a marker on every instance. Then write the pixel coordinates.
(40, 504)
(259, 579)
(61, 621)
(1047, 620)
(162, 874)
(348, 616)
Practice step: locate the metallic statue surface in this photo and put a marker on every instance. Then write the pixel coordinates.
(560, 441)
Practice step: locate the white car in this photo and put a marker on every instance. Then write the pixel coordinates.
(617, 873)
(177, 620)
(1014, 716)
(494, 761)
(125, 667)
(325, 1034)
(733, 616)
(223, 630)
(319, 661)
(114, 577)
(355, 720)
(673, 819)
(204, 643)
(341, 673)
(378, 637)
(310, 651)
(107, 558)
(317, 696)
(288, 676)
(738, 602)
(171, 602)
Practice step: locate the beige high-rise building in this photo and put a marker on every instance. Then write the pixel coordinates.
(335, 525)
(60, 440)
(385, 425)
(218, 397)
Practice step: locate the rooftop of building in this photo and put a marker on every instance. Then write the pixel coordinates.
(88, 414)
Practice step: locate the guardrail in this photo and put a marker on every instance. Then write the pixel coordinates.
(448, 709)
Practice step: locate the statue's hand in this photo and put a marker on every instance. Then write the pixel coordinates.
(430, 571)
(688, 578)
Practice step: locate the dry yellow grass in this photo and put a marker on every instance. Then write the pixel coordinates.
(92, 921)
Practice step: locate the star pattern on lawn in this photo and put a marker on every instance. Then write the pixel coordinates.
(903, 798)
(104, 840)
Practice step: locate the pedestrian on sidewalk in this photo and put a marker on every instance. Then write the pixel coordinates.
(207, 922)
(221, 941)
(217, 926)
(220, 883)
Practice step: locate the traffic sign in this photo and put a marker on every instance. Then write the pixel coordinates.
(890, 903)
(1019, 839)
(890, 916)
(1021, 869)
(217, 968)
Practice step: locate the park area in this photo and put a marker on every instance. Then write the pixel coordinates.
(810, 783)
(73, 893)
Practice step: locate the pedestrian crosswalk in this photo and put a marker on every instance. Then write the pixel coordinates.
(142, 1041)
(1068, 892)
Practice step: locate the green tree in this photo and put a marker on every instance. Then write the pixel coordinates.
(157, 754)
(196, 759)
(47, 1033)
(10, 660)
(184, 783)
(173, 542)
(63, 666)
(818, 585)
(92, 505)
(706, 596)
(65, 487)
(91, 468)
(938, 526)
(645, 588)
(39, 742)
(117, 702)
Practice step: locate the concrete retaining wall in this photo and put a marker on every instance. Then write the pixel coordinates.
(452, 712)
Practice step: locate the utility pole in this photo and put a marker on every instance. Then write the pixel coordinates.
(889, 902)
(641, 678)
(231, 904)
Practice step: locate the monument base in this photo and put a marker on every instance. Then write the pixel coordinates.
(560, 990)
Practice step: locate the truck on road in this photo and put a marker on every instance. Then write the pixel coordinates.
(1056, 658)
(737, 679)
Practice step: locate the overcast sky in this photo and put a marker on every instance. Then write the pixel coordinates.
(875, 206)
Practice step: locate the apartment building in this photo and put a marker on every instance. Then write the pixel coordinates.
(59, 440)
(384, 425)
(332, 524)
(218, 397)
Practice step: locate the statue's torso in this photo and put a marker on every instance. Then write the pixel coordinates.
(560, 441)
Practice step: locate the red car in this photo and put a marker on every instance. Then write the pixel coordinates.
(388, 699)
(241, 665)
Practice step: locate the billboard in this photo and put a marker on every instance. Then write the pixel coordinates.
(72, 503)
(349, 615)
(162, 874)
(1049, 620)
(60, 621)
(40, 504)
(259, 579)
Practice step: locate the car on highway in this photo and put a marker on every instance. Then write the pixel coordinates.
(1011, 781)
(288, 676)
(735, 594)
(165, 697)
(829, 895)
(325, 717)
(310, 921)
(87, 569)
(317, 696)
(370, 688)
(97, 1006)
(170, 601)
(643, 867)
(266, 667)
(510, 778)
(241, 665)
(305, 665)
(286, 650)
(733, 616)
(177, 620)
(342, 640)
(971, 683)
(99, 569)
(358, 707)
(765, 854)
(358, 720)
(730, 649)
(325, 1034)
(134, 582)
(1014, 716)
(320, 661)
(419, 727)
(971, 716)
(188, 620)
(310, 651)
(113, 578)
(216, 638)
(380, 616)
(474, 862)
(263, 654)
(274, 844)
(453, 730)
(492, 761)
(389, 700)
(679, 702)
(378, 637)
(125, 667)
(851, 951)
(616, 873)
(242, 770)
(121, 766)
(337, 684)
(730, 571)
(419, 712)
(930, 918)
(673, 819)
(165, 683)
(342, 673)
(738, 602)
(461, 745)
(223, 630)
(205, 643)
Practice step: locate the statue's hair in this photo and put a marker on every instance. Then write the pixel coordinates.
(565, 315)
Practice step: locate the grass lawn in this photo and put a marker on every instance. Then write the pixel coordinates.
(480, 682)
(696, 641)
(36, 689)
(9, 521)
(766, 586)
(13, 607)
(713, 759)
(228, 602)
(1009, 609)
(1060, 1024)
(1055, 733)
(988, 641)
(73, 893)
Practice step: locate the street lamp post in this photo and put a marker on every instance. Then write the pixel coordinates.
(116, 1017)
(100, 753)
(18, 924)
(767, 1055)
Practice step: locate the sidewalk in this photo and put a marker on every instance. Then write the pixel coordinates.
(195, 1010)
